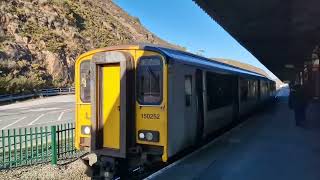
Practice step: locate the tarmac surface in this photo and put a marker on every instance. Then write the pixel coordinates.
(38, 112)
(266, 146)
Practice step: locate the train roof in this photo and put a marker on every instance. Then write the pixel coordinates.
(192, 59)
(187, 58)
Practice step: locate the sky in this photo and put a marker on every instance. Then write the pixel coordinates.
(184, 23)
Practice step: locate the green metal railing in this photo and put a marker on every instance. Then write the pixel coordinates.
(19, 147)
(65, 145)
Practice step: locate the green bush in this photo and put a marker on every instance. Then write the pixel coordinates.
(22, 76)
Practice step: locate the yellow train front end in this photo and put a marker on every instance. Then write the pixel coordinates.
(121, 106)
(83, 100)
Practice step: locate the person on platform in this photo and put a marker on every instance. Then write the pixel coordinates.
(298, 101)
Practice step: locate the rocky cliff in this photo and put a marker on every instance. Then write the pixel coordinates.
(40, 39)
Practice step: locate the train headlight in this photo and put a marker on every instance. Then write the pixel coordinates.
(141, 135)
(147, 135)
(85, 130)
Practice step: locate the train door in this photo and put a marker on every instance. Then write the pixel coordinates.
(200, 104)
(190, 114)
(110, 105)
(112, 102)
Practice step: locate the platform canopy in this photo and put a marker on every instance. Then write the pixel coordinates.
(281, 34)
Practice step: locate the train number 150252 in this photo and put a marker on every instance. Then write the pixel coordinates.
(150, 116)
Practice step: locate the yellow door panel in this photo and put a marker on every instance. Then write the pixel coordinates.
(111, 105)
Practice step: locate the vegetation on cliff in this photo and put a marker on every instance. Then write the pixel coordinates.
(40, 39)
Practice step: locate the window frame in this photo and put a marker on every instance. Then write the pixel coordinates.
(80, 91)
(213, 102)
(159, 103)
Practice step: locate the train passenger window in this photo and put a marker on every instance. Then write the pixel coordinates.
(264, 88)
(219, 90)
(244, 84)
(253, 89)
(249, 89)
(188, 90)
(149, 80)
(85, 81)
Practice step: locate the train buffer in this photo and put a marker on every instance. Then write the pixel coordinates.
(266, 146)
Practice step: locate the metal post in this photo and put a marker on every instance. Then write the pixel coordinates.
(3, 148)
(26, 145)
(53, 145)
(68, 142)
(46, 128)
(41, 136)
(9, 146)
(65, 140)
(72, 144)
(58, 144)
(15, 148)
(31, 142)
(20, 145)
(37, 149)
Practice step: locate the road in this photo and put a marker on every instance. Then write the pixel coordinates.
(39, 112)
(48, 111)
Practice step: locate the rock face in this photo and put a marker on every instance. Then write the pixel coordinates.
(40, 39)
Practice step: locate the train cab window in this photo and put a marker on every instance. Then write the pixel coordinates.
(85, 81)
(149, 80)
(188, 90)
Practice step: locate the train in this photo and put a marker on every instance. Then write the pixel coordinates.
(141, 104)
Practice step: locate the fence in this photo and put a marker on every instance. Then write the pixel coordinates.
(19, 147)
(41, 92)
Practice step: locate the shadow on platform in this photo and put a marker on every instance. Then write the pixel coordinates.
(266, 146)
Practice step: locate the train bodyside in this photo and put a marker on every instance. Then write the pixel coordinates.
(203, 99)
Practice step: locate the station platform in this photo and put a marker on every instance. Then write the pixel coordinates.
(267, 146)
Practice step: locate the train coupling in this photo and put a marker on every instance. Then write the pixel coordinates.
(90, 159)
